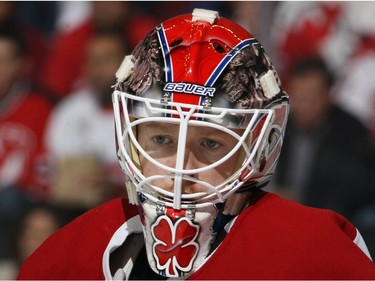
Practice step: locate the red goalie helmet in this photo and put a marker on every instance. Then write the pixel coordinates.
(200, 71)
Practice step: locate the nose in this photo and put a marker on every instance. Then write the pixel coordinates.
(191, 160)
(191, 163)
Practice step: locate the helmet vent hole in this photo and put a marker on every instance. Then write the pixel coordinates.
(218, 48)
(176, 42)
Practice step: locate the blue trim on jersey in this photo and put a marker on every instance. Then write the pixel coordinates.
(224, 62)
(166, 54)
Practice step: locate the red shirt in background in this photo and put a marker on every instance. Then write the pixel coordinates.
(22, 151)
(64, 63)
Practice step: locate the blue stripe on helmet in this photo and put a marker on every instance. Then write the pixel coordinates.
(166, 54)
(224, 62)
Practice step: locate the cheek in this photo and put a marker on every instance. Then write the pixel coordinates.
(149, 169)
(219, 174)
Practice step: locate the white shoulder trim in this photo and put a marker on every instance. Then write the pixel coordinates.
(358, 240)
(132, 225)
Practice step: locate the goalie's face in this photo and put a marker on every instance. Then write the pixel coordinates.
(204, 146)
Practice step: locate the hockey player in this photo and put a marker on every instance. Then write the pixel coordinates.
(200, 116)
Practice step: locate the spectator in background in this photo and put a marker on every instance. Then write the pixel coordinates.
(356, 86)
(343, 34)
(302, 28)
(355, 91)
(327, 159)
(23, 116)
(38, 222)
(64, 65)
(35, 41)
(81, 131)
(255, 17)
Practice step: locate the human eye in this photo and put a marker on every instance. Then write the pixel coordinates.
(210, 143)
(161, 139)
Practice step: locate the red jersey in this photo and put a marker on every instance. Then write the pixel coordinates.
(22, 149)
(271, 239)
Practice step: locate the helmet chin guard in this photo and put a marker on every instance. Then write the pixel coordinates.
(180, 240)
(193, 75)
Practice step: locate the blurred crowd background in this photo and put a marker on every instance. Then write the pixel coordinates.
(57, 146)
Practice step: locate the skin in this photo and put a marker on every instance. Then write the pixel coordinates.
(110, 14)
(309, 99)
(37, 226)
(310, 102)
(204, 146)
(104, 54)
(11, 64)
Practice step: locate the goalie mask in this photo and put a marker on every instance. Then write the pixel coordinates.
(200, 117)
